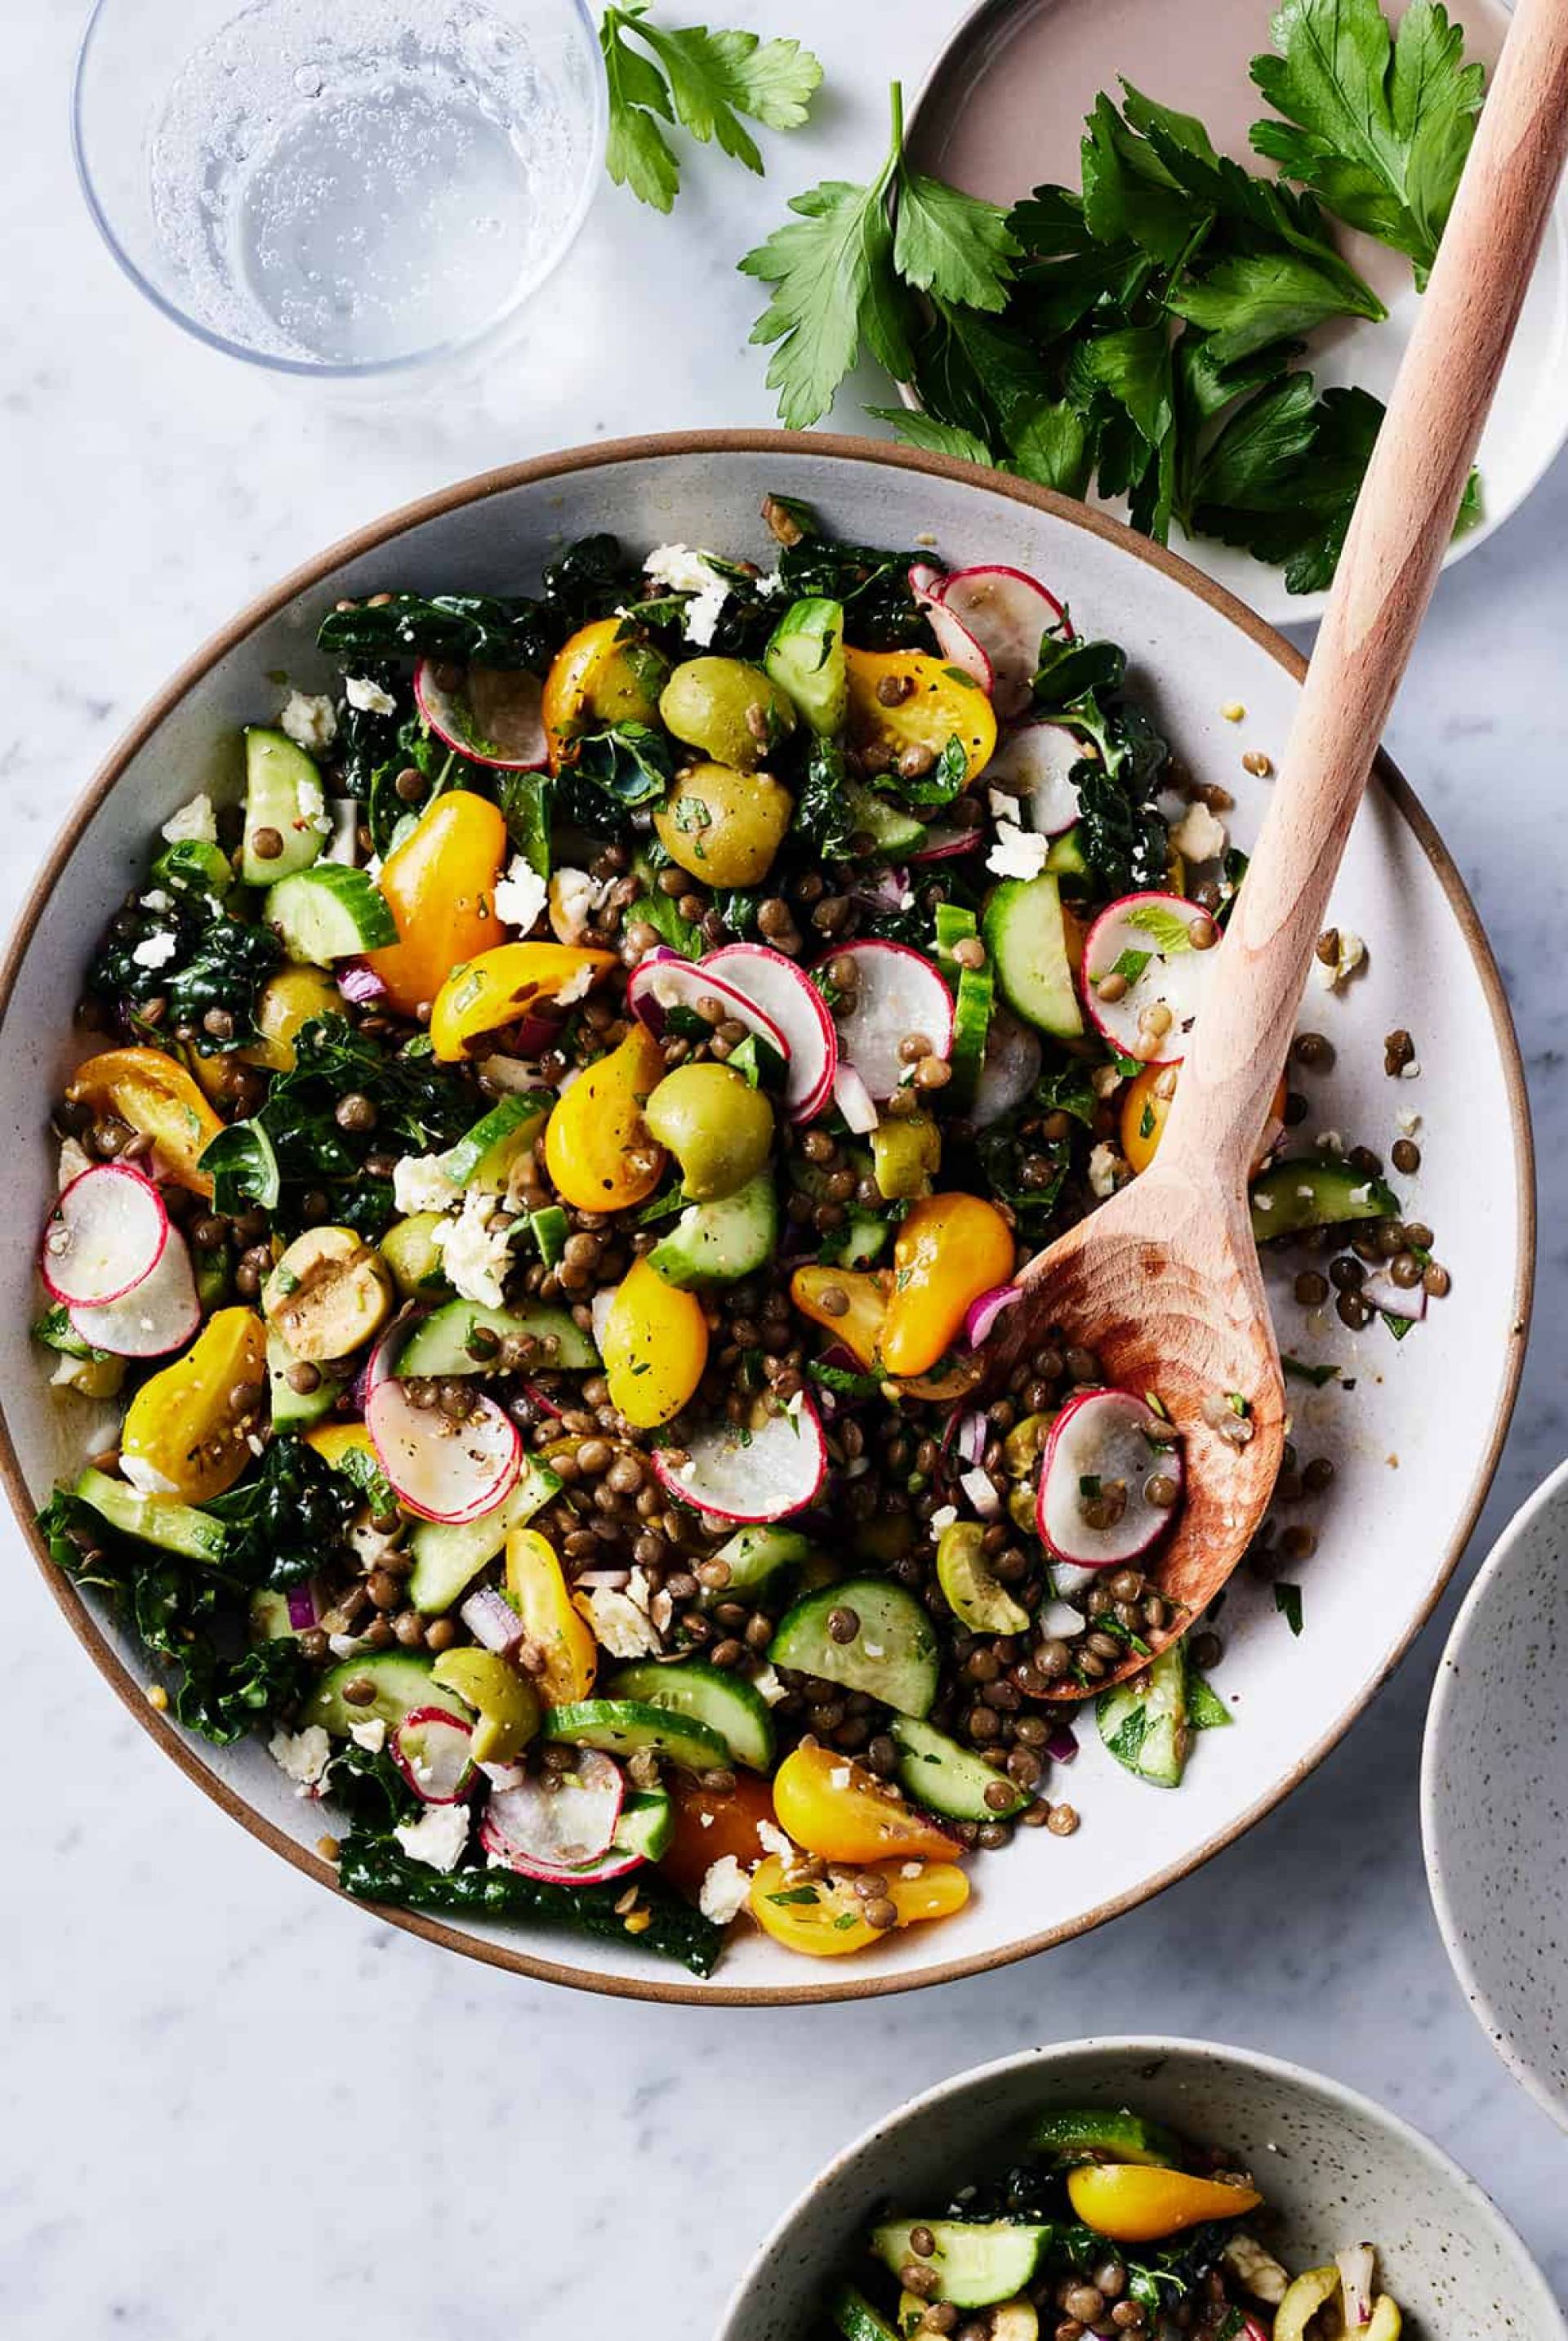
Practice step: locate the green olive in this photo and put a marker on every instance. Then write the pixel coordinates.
(329, 1294)
(717, 1126)
(732, 711)
(906, 1155)
(724, 826)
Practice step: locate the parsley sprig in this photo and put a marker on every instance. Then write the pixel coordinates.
(704, 81)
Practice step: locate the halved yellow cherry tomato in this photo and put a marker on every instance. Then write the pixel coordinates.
(1134, 2204)
(290, 1000)
(333, 1441)
(860, 1325)
(477, 998)
(597, 1147)
(160, 1101)
(824, 1921)
(441, 887)
(1147, 1105)
(654, 1344)
(605, 674)
(835, 1807)
(941, 703)
(950, 1249)
(189, 1422)
(536, 1586)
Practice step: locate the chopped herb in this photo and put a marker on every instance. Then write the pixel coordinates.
(1287, 1601)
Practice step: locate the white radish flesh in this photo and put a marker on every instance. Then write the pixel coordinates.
(764, 1474)
(897, 994)
(663, 981)
(104, 1236)
(1006, 612)
(433, 1751)
(1038, 761)
(553, 1825)
(957, 645)
(160, 1314)
(441, 1469)
(790, 1001)
(1143, 943)
(1105, 1449)
(495, 717)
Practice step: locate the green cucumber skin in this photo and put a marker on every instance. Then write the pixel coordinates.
(647, 1824)
(329, 912)
(856, 2318)
(483, 1156)
(947, 1778)
(439, 1345)
(726, 1705)
(719, 1243)
(977, 2264)
(402, 1681)
(449, 1555)
(1026, 942)
(893, 832)
(1078, 2134)
(754, 1556)
(1160, 1753)
(159, 1520)
(805, 657)
(280, 781)
(621, 1726)
(893, 1658)
(1334, 1195)
(291, 1409)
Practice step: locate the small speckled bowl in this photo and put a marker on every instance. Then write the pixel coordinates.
(1494, 1797)
(1338, 2168)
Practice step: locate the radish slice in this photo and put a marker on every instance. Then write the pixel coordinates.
(942, 843)
(381, 1364)
(443, 1471)
(766, 1474)
(433, 1751)
(900, 992)
(790, 1000)
(1006, 612)
(104, 1236)
(552, 1824)
(495, 716)
(1037, 760)
(618, 1862)
(1379, 1290)
(1100, 1440)
(160, 1314)
(957, 645)
(1146, 940)
(855, 1101)
(1009, 1069)
(663, 981)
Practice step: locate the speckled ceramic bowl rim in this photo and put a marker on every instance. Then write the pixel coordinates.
(1146, 2047)
(519, 1959)
(1468, 1627)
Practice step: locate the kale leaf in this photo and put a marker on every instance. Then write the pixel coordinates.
(366, 736)
(881, 610)
(285, 1521)
(1120, 829)
(421, 1107)
(631, 763)
(203, 960)
(822, 815)
(486, 629)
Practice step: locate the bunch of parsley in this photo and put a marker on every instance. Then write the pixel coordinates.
(705, 81)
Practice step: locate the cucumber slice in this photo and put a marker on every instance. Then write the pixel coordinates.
(550, 1229)
(449, 1554)
(754, 1556)
(935, 1772)
(284, 793)
(1027, 938)
(727, 1704)
(1083, 2134)
(894, 833)
(160, 1520)
(805, 657)
(647, 1824)
(1317, 1190)
(439, 1345)
(893, 1657)
(972, 1002)
(976, 2262)
(621, 1726)
(483, 1157)
(858, 1243)
(1145, 1724)
(329, 911)
(293, 1409)
(403, 1681)
(718, 1243)
(856, 2318)
(268, 1620)
(1066, 857)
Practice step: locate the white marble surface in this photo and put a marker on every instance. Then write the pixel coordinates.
(236, 2108)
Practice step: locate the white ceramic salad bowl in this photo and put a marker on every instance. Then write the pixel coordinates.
(1413, 1428)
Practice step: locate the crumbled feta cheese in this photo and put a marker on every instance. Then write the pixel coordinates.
(722, 1894)
(1350, 951)
(577, 984)
(303, 1755)
(1407, 1121)
(1330, 1141)
(773, 1839)
(1107, 1165)
(436, 1838)
(684, 571)
(1199, 837)
(157, 951)
(768, 1685)
(943, 1518)
(369, 697)
(839, 1776)
(1017, 852)
(574, 897)
(1259, 2272)
(372, 1735)
(74, 1160)
(420, 1183)
(309, 719)
(912, 1868)
(157, 901)
(620, 1621)
(145, 1477)
(1003, 806)
(475, 1258)
(520, 896)
(345, 1646)
(311, 805)
(1412, 1071)
(195, 825)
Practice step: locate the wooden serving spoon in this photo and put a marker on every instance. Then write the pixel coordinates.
(1163, 1283)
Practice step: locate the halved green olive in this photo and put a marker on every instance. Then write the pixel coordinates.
(724, 826)
(732, 711)
(717, 1126)
(329, 1294)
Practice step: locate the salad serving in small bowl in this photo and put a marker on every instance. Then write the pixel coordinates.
(560, 1091)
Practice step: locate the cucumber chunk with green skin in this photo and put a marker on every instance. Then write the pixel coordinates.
(1316, 1191)
(726, 1703)
(805, 657)
(402, 1681)
(328, 912)
(1144, 1723)
(284, 794)
(1026, 940)
(293, 1410)
(973, 1001)
(439, 1345)
(449, 1554)
(409, 1251)
(1066, 857)
(893, 1657)
(893, 832)
(856, 2318)
(269, 1619)
(935, 1771)
(622, 1727)
(550, 1229)
(483, 1157)
(647, 1824)
(160, 1520)
(1083, 2134)
(719, 1243)
(976, 2262)
(754, 1556)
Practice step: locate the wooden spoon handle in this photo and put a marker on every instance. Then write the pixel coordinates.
(1393, 552)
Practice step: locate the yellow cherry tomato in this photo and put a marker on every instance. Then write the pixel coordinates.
(1147, 1105)
(160, 1101)
(941, 703)
(837, 1810)
(857, 1326)
(1134, 2204)
(605, 674)
(189, 1423)
(441, 887)
(597, 1147)
(654, 1344)
(477, 997)
(537, 1589)
(824, 1921)
(333, 1441)
(950, 1249)
(290, 1000)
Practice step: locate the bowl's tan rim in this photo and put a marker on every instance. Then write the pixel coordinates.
(765, 444)
(1147, 2048)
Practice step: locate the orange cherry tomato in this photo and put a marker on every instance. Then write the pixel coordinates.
(941, 703)
(859, 1326)
(950, 1249)
(441, 886)
(479, 996)
(537, 1589)
(835, 1807)
(654, 1343)
(597, 1149)
(824, 1921)
(709, 1826)
(1147, 1105)
(605, 674)
(185, 1422)
(160, 1101)
(1134, 2204)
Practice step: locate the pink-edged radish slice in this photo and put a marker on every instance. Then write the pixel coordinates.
(160, 1314)
(663, 979)
(1144, 942)
(954, 640)
(553, 1825)
(381, 1364)
(1105, 1449)
(1008, 1070)
(789, 1000)
(618, 1862)
(1006, 612)
(443, 1471)
(942, 843)
(434, 1752)
(750, 1476)
(1379, 1290)
(104, 1236)
(494, 716)
(899, 993)
(1037, 760)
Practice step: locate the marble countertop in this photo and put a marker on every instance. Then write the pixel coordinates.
(236, 2106)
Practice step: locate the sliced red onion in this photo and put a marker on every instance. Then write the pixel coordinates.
(532, 1036)
(1358, 2266)
(1060, 1619)
(854, 1099)
(303, 1611)
(972, 1430)
(491, 1619)
(360, 983)
(541, 1399)
(1062, 1746)
(981, 1491)
(1379, 1290)
(942, 842)
(890, 891)
(981, 1315)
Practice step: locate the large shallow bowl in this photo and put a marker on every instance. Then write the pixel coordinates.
(1494, 1797)
(1339, 2168)
(1414, 1442)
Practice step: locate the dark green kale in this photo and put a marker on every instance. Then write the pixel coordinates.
(822, 817)
(421, 1107)
(589, 580)
(1121, 830)
(200, 959)
(1022, 1168)
(286, 1518)
(243, 1168)
(882, 610)
(489, 630)
(367, 736)
(631, 763)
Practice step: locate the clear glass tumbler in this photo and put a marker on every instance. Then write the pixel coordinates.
(339, 187)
